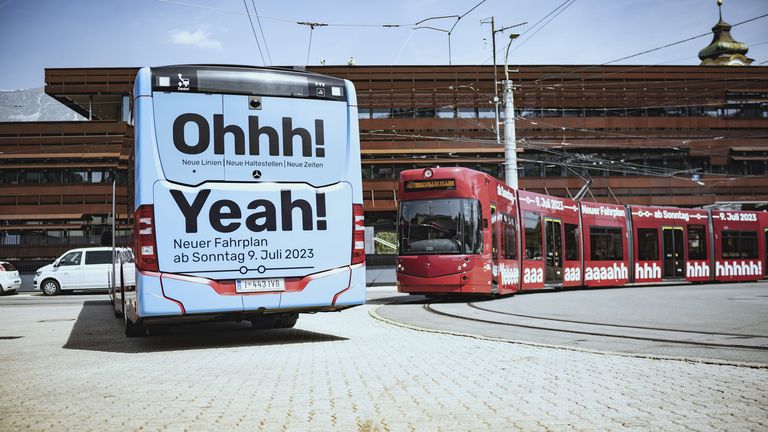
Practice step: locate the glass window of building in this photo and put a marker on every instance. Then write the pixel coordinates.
(402, 113)
(486, 112)
(425, 112)
(31, 177)
(9, 176)
(467, 113)
(380, 113)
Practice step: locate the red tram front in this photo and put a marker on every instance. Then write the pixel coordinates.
(444, 230)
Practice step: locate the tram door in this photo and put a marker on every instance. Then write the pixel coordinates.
(553, 241)
(674, 252)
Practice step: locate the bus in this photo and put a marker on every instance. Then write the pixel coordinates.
(464, 232)
(247, 197)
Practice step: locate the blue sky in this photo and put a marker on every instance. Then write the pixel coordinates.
(35, 34)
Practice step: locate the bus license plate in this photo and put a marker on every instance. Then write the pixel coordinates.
(260, 285)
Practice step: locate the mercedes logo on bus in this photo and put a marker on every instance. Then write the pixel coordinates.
(428, 173)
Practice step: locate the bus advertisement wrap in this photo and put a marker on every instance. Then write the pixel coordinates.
(230, 230)
(215, 137)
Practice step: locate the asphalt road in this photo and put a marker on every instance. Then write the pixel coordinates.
(726, 322)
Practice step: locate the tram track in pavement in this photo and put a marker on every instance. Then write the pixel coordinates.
(475, 306)
(587, 328)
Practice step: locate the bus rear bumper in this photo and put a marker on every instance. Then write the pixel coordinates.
(169, 295)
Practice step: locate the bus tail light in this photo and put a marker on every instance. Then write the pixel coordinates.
(358, 234)
(146, 246)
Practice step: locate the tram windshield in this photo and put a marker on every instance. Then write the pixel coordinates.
(440, 226)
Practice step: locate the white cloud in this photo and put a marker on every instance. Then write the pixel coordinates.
(199, 38)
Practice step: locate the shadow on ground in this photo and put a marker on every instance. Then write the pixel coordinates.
(97, 329)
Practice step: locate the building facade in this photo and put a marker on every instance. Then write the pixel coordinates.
(688, 136)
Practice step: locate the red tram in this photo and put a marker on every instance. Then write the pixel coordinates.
(463, 231)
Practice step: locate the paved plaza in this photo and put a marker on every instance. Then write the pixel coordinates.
(67, 366)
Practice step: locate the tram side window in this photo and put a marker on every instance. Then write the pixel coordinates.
(606, 244)
(571, 242)
(473, 227)
(533, 245)
(697, 242)
(739, 244)
(510, 239)
(647, 244)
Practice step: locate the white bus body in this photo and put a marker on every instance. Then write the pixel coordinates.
(248, 196)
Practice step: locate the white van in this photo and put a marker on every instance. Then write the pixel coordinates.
(84, 269)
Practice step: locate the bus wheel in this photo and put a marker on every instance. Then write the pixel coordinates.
(50, 287)
(158, 330)
(286, 320)
(263, 322)
(134, 330)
